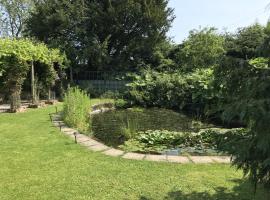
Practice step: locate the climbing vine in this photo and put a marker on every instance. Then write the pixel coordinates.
(18, 57)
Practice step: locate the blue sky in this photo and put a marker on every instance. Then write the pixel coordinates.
(222, 14)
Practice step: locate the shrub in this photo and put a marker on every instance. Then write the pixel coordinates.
(121, 103)
(110, 94)
(191, 91)
(76, 112)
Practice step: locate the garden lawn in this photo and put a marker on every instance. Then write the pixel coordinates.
(38, 162)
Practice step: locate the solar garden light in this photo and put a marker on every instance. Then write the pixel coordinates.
(56, 109)
(75, 137)
(60, 126)
(50, 116)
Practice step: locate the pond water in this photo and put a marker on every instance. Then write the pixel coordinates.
(109, 126)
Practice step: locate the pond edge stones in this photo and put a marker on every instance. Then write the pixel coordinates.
(96, 146)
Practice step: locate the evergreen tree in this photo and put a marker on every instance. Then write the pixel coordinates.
(102, 34)
(246, 42)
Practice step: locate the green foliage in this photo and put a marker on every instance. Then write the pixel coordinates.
(202, 49)
(173, 90)
(224, 77)
(16, 57)
(121, 103)
(76, 110)
(102, 35)
(129, 128)
(246, 43)
(110, 94)
(157, 138)
(206, 140)
(162, 59)
(13, 14)
(259, 62)
(246, 98)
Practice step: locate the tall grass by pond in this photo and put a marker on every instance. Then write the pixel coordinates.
(76, 110)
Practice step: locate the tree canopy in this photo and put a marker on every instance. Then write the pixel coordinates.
(246, 42)
(13, 15)
(102, 35)
(202, 49)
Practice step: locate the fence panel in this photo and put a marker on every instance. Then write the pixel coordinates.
(101, 81)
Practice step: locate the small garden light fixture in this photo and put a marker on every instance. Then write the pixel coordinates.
(60, 126)
(75, 137)
(50, 116)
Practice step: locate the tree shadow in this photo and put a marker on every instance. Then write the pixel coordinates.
(243, 191)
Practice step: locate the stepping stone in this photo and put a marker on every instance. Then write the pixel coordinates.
(98, 147)
(81, 136)
(83, 139)
(158, 158)
(90, 143)
(55, 123)
(56, 117)
(201, 159)
(178, 159)
(114, 152)
(134, 156)
(221, 159)
(69, 133)
(58, 122)
(68, 130)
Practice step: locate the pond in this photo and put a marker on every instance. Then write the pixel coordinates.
(112, 127)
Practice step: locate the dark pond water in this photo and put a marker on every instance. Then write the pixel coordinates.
(108, 127)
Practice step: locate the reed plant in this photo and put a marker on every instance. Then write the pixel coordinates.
(76, 109)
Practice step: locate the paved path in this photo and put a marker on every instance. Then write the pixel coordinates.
(94, 145)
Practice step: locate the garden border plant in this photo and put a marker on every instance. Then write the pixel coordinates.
(76, 109)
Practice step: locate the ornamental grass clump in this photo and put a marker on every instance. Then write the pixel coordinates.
(76, 112)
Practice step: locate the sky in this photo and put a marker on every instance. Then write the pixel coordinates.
(222, 14)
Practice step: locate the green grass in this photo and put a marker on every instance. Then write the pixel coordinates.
(98, 101)
(38, 162)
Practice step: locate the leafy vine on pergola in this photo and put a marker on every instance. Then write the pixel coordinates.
(18, 57)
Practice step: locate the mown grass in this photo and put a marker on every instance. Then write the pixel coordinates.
(38, 162)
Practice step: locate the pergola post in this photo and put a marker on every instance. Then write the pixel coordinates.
(33, 88)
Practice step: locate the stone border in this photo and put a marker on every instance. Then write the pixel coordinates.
(5, 108)
(96, 146)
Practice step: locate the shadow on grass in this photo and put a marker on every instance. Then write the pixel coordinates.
(244, 191)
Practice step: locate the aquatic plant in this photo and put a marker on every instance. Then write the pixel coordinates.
(206, 141)
(129, 127)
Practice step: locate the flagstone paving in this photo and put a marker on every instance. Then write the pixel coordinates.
(94, 145)
(114, 152)
(178, 159)
(134, 156)
(201, 159)
(158, 158)
(221, 159)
